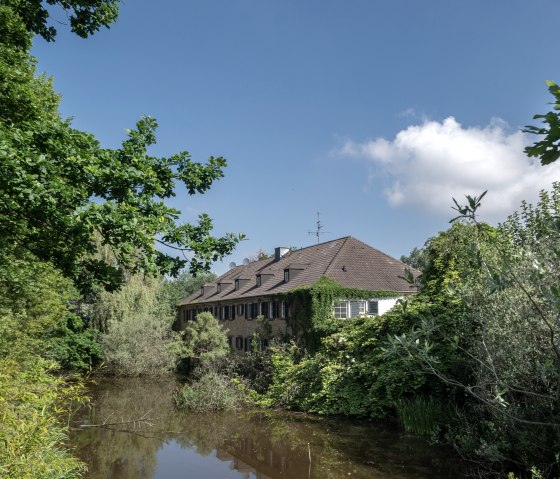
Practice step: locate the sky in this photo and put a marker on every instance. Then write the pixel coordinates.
(375, 113)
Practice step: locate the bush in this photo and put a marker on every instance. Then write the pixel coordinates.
(138, 339)
(212, 392)
(205, 340)
(31, 437)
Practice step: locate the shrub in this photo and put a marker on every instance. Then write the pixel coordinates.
(212, 392)
(139, 339)
(205, 340)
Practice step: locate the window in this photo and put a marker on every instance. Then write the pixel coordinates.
(240, 309)
(357, 308)
(219, 288)
(285, 309)
(264, 309)
(226, 312)
(259, 280)
(248, 340)
(230, 341)
(340, 309)
(373, 307)
(236, 285)
(239, 342)
(286, 275)
(232, 312)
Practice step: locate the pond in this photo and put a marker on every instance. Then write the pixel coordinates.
(144, 436)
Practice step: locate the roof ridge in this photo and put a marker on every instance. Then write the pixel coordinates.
(321, 244)
(346, 238)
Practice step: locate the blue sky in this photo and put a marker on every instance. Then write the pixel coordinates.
(372, 112)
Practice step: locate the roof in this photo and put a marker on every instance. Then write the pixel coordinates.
(348, 261)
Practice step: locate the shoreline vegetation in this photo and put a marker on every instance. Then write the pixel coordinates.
(472, 360)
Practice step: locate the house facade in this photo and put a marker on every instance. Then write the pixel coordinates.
(370, 284)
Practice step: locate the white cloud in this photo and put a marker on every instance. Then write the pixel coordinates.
(426, 165)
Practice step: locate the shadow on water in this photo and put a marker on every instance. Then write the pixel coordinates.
(248, 444)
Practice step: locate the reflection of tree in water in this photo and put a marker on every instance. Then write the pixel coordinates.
(274, 444)
(110, 453)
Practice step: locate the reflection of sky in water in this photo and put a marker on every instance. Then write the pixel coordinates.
(240, 445)
(174, 461)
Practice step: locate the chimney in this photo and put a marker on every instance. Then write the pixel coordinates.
(279, 252)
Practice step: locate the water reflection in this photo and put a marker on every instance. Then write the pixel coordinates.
(263, 445)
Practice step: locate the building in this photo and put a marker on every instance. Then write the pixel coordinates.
(359, 280)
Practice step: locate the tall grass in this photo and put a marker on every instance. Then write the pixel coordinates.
(420, 415)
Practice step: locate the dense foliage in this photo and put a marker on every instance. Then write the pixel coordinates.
(58, 186)
(137, 338)
(472, 359)
(311, 315)
(77, 221)
(511, 295)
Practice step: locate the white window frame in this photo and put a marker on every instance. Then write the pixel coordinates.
(342, 305)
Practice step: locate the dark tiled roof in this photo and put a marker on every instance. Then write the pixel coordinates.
(348, 261)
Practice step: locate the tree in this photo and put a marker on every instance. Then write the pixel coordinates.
(416, 259)
(205, 339)
(85, 16)
(174, 290)
(137, 339)
(59, 187)
(507, 284)
(548, 149)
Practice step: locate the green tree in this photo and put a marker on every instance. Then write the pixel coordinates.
(547, 149)
(59, 187)
(137, 338)
(205, 339)
(173, 290)
(85, 16)
(511, 374)
(416, 259)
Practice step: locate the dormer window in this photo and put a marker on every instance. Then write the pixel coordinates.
(259, 280)
(202, 290)
(286, 275)
(219, 288)
(236, 285)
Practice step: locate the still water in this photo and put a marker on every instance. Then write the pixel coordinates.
(164, 443)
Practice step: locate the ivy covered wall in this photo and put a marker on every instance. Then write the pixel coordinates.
(311, 309)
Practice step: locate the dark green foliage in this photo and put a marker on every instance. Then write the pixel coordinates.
(50, 173)
(351, 373)
(63, 198)
(85, 16)
(74, 346)
(547, 149)
(506, 279)
(421, 415)
(416, 259)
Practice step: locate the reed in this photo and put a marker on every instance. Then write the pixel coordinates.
(420, 415)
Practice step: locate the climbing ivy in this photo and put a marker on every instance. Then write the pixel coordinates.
(311, 309)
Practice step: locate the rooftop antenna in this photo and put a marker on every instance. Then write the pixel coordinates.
(319, 228)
